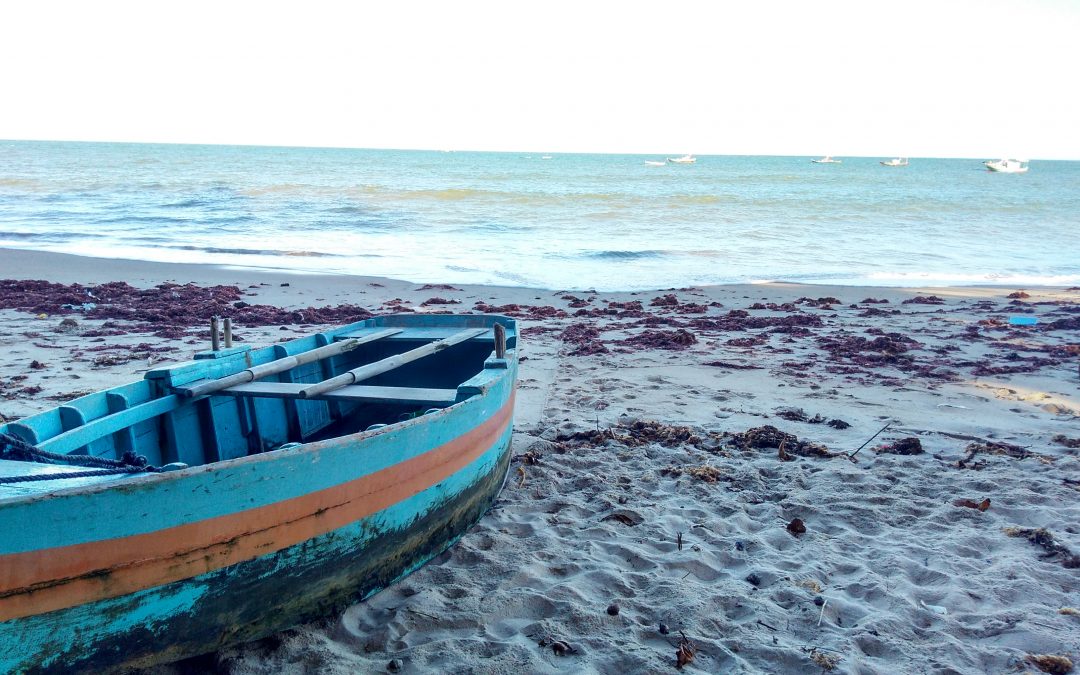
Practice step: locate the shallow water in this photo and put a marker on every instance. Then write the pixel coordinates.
(571, 221)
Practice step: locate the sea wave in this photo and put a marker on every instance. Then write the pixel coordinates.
(257, 251)
(626, 255)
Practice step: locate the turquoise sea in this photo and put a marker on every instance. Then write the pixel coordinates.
(560, 221)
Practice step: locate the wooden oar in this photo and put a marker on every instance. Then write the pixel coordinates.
(287, 363)
(372, 369)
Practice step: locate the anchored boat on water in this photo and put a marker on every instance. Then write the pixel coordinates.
(226, 498)
(1007, 165)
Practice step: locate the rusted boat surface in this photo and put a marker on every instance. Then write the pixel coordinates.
(281, 499)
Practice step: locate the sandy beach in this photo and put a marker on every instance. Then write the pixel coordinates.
(683, 488)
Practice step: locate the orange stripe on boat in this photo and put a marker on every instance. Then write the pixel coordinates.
(36, 582)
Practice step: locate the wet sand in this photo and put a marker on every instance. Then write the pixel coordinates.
(681, 481)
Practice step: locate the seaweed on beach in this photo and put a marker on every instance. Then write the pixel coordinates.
(924, 300)
(644, 432)
(660, 339)
(768, 436)
(1045, 539)
(585, 340)
(738, 320)
(884, 350)
(533, 312)
(164, 306)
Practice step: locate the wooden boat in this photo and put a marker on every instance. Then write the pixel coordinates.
(286, 490)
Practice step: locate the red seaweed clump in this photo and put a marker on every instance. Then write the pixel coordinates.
(924, 300)
(164, 306)
(534, 312)
(668, 300)
(884, 350)
(438, 287)
(585, 340)
(439, 301)
(738, 319)
(660, 339)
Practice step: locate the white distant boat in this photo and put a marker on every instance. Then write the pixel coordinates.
(896, 161)
(827, 160)
(650, 162)
(685, 159)
(1007, 165)
(546, 157)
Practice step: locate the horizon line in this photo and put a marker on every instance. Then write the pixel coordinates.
(511, 151)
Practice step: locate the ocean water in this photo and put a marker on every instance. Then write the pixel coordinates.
(561, 221)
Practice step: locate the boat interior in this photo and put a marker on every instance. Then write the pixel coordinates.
(240, 401)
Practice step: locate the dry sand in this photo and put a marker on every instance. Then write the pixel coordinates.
(614, 539)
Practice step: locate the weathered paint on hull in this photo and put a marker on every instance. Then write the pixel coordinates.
(261, 596)
(174, 565)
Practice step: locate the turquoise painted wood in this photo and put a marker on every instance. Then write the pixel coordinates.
(287, 510)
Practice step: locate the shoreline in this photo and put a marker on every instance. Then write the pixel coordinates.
(74, 268)
(646, 478)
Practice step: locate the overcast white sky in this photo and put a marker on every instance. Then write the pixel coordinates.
(961, 78)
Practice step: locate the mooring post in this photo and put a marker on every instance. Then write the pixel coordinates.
(500, 341)
(215, 338)
(228, 332)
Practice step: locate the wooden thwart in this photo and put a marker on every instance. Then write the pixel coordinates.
(281, 365)
(390, 363)
(353, 393)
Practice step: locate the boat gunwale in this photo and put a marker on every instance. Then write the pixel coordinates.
(140, 479)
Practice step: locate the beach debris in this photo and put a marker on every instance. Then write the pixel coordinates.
(663, 628)
(770, 437)
(1018, 295)
(733, 366)
(903, 446)
(811, 585)
(438, 287)
(971, 504)
(67, 325)
(889, 349)
(838, 424)
(439, 301)
(395, 665)
(799, 415)
(824, 660)
(685, 652)
(162, 307)
(705, 472)
(1051, 663)
(824, 601)
(796, 527)
(37, 365)
(819, 601)
(753, 579)
(613, 609)
(1062, 439)
(924, 300)
(521, 472)
(1069, 611)
(936, 609)
(584, 339)
(644, 432)
(1045, 539)
(625, 517)
(995, 448)
(661, 339)
(561, 648)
